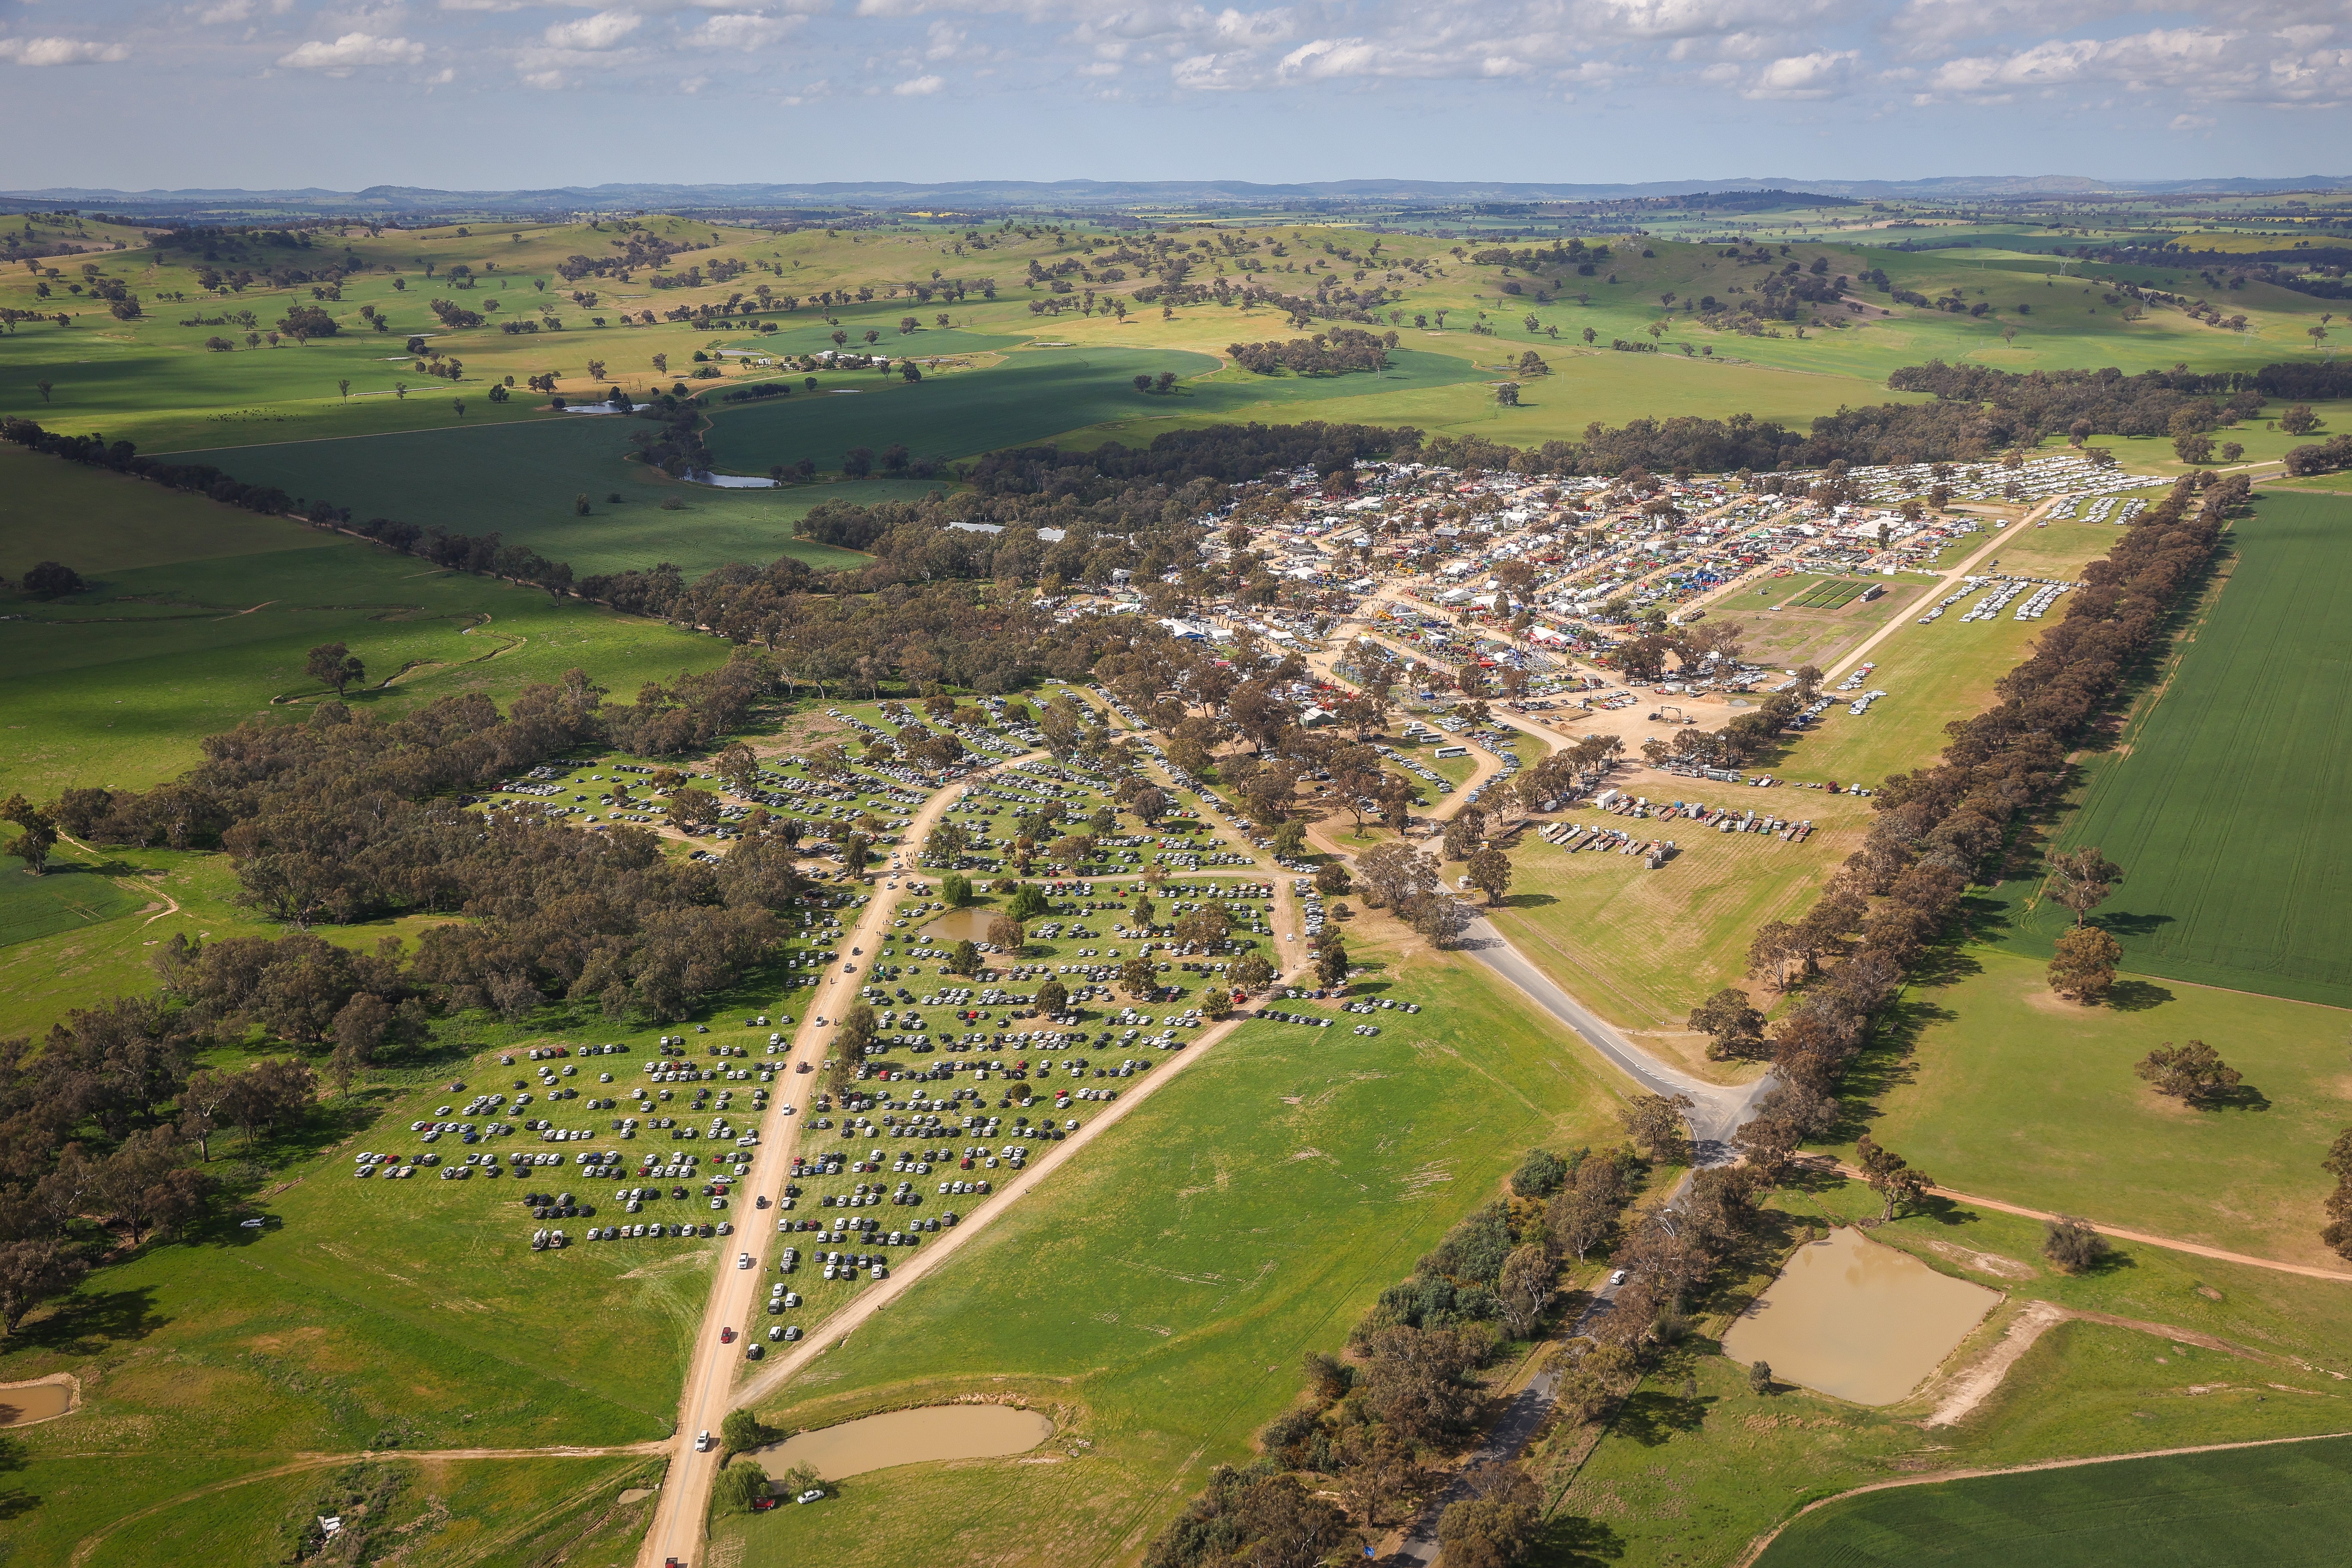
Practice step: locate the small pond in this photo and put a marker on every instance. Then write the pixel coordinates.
(23, 1403)
(1857, 1319)
(910, 1437)
(961, 925)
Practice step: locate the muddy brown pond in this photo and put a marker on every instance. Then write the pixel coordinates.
(959, 925)
(910, 1437)
(27, 1402)
(1857, 1319)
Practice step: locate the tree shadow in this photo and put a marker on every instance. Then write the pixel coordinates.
(89, 1322)
(2125, 923)
(1571, 1541)
(14, 1501)
(1651, 1418)
(2136, 997)
(1526, 901)
(2238, 1097)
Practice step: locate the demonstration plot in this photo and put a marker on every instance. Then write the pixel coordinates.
(2222, 803)
(69, 895)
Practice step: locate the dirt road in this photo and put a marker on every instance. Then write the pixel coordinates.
(676, 1528)
(2169, 1243)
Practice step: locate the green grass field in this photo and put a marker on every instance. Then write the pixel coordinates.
(2273, 1506)
(2001, 1088)
(1157, 1294)
(2221, 801)
(200, 616)
(520, 480)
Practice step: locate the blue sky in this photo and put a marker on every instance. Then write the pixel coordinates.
(511, 93)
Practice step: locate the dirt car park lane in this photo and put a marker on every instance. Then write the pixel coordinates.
(677, 1523)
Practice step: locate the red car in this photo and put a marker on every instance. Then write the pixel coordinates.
(725, 1336)
(762, 1504)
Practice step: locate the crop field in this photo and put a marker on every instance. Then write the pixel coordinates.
(2004, 1090)
(156, 380)
(2222, 803)
(199, 617)
(1687, 1482)
(1033, 395)
(1249, 1211)
(2278, 1505)
(520, 480)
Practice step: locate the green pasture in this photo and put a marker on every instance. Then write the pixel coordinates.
(1247, 1212)
(447, 1512)
(2221, 801)
(1995, 1085)
(1678, 1482)
(200, 617)
(522, 479)
(2286, 1504)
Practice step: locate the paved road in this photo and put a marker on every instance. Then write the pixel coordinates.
(1717, 1110)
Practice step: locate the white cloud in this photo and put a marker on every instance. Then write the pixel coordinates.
(920, 87)
(602, 31)
(353, 49)
(1821, 74)
(2192, 122)
(228, 11)
(60, 52)
(739, 30)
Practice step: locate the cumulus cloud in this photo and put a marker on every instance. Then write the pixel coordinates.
(1821, 74)
(352, 50)
(920, 87)
(60, 52)
(229, 10)
(741, 30)
(604, 30)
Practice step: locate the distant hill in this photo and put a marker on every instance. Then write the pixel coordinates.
(405, 202)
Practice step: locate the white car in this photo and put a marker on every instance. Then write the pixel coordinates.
(742, 1260)
(1617, 1277)
(702, 1442)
